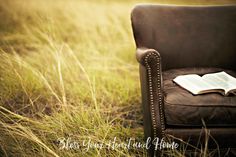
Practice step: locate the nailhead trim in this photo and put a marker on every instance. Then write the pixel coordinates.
(153, 114)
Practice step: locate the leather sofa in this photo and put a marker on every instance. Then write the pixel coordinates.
(173, 40)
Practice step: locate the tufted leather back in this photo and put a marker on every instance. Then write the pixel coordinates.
(188, 36)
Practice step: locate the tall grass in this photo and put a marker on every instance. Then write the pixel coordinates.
(68, 69)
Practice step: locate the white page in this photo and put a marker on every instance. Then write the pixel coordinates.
(192, 83)
(221, 80)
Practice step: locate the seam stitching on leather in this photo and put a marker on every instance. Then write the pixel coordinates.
(199, 105)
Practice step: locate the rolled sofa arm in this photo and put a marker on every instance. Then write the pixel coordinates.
(142, 53)
(152, 91)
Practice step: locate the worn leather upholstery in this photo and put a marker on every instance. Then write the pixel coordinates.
(171, 37)
(197, 137)
(183, 109)
(187, 36)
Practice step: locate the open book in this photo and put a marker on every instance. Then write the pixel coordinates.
(215, 82)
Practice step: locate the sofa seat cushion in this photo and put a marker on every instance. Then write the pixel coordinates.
(181, 108)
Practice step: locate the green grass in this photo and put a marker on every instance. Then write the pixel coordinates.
(68, 69)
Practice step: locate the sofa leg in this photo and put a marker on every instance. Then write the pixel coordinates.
(154, 153)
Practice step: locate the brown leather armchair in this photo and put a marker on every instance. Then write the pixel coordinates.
(174, 40)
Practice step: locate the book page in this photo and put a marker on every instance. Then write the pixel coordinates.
(192, 83)
(221, 80)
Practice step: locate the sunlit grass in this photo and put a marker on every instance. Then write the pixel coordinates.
(68, 69)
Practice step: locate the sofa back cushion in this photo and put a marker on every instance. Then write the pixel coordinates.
(188, 36)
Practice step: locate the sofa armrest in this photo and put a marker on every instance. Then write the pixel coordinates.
(152, 91)
(142, 53)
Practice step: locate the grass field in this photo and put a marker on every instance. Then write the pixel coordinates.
(68, 69)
